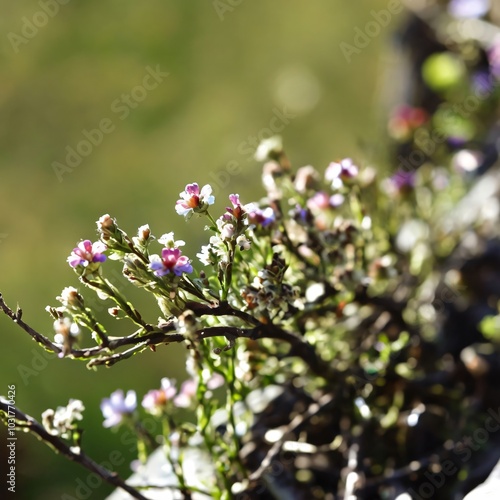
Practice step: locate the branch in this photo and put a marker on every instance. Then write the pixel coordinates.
(299, 347)
(162, 335)
(293, 426)
(38, 337)
(26, 421)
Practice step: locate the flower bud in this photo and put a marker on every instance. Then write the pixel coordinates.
(107, 227)
(71, 299)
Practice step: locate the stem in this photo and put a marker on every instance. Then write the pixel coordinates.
(230, 410)
(211, 219)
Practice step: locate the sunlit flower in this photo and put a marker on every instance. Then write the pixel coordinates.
(212, 252)
(156, 400)
(87, 253)
(194, 200)
(337, 172)
(118, 406)
(171, 261)
(62, 421)
(168, 240)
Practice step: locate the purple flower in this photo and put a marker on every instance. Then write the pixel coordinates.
(87, 253)
(483, 82)
(403, 180)
(117, 406)
(235, 200)
(171, 261)
(261, 217)
(194, 200)
(469, 8)
(337, 172)
(156, 400)
(237, 211)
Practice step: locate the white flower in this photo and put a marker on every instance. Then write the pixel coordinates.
(268, 149)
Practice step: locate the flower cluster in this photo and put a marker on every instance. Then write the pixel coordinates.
(62, 421)
(157, 402)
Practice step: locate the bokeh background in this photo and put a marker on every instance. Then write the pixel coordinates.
(233, 66)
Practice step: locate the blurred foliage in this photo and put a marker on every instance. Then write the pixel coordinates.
(227, 78)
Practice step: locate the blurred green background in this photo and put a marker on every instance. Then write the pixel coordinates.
(230, 73)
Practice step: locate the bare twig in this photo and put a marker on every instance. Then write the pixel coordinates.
(55, 442)
(293, 426)
(38, 337)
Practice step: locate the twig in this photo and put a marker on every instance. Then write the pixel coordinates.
(299, 420)
(60, 446)
(16, 318)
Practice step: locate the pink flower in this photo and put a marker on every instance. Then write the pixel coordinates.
(87, 253)
(155, 400)
(194, 200)
(186, 394)
(319, 201)
(171, 261)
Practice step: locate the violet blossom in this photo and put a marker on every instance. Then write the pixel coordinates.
(118, 406)
(87, 253)
(261, 217)
(171, 261)
(403, 180)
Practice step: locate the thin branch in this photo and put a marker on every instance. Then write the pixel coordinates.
(16, 318)
(299, 420)
(55, 442)
(162, 335)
